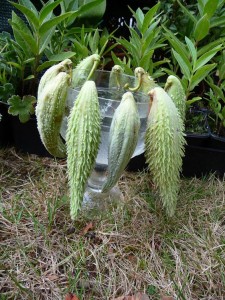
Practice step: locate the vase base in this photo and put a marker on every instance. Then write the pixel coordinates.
(99, 203)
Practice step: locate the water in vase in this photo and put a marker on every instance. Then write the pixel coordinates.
(107, 112)
(109, 100)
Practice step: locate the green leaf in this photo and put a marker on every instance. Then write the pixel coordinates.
(77, 30)
(178, 46)
(201, 74)
(27, 61)
(168, 71)
(210, 7)
(91, 9)
(16, 65)
(210, 46)
(29, 41)
(161, 62)
(16, 23)
(6, 91)
(187, 12)
(87, 11)
(223, 112)
(45, 65)
(29, 14)
(148, 39)
(149, 17)
(193, 100)
(45, 39)
(222, 72)
(192, 49)
(80, 48)
(131, 49)
(201, 28)
(29, 5)
(29, 77)
(139, 17)
(184, 67)
(53, 22)
(146, 60)
(47, 10)
(108, 49)
(202, 60)
(22, 107)
(218, 21)
(68, 5)
(94, 41)
(62, 56)
(216, 90)
(135, 38)
(151, 35)
(201, 5)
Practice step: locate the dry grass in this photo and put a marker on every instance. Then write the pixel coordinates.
(44, 255)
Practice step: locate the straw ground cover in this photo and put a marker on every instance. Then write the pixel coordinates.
(122, 251)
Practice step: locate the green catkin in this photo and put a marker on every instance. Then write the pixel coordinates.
(52, 72)
(123, 137)
(49, 111)
(84, 69)
(175, 90)
(165, 147)
(82, 140)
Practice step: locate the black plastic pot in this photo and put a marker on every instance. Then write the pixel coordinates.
(6, 135)
(204, 159)
(203, 155)
(26, 137)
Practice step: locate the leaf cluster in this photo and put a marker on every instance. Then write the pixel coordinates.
(195, 18)
(40, 39)
(194, 62)
(189, 37)
(145, 37)
(198, 54)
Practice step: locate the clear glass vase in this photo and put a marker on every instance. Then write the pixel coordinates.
(109, 99)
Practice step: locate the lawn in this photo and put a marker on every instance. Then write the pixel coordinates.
(123, 250)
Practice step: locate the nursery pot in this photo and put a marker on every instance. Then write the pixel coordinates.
(27, 138)
(205, 158)
(204, 153)
(6, 134)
